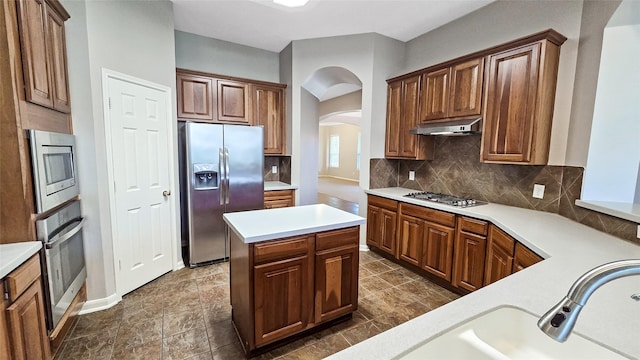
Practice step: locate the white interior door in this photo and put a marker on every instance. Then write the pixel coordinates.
(142, 199)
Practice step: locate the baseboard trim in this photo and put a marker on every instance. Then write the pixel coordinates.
(364, 247)
(100, 304)
(340, 178)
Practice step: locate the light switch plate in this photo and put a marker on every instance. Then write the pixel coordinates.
(412, 175)
(274, 169)
(538, 191)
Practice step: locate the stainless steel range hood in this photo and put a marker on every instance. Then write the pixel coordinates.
(450, 128)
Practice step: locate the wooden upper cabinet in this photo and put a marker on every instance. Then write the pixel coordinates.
(452, 92)
(435, 95)
(269, 112)
(44, 55)
(402, 115)
(520, 95)
(465, 90)
(195, 97)
(233, 102)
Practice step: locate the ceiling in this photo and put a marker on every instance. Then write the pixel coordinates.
(265, 25)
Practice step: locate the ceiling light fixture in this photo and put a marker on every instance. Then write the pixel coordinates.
(291, 3)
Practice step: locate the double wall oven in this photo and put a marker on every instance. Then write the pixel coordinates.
(60, 221)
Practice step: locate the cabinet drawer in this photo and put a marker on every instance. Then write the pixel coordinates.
(281, 249)
(336, 238)
(19, 280)
(431, 215)
(383, 202)
(473, 225)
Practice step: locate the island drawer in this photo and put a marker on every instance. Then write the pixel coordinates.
(337, 238)
(282, 249)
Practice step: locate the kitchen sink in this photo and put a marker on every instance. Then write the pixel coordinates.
(506, 333)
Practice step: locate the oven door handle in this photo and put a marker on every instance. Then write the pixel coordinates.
(59, 239)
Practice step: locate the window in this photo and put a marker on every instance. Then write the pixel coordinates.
(334, 151)
(358, 153)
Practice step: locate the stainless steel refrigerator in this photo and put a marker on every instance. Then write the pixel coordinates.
(220, 171)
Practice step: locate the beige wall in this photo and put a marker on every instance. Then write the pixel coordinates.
(348, 151)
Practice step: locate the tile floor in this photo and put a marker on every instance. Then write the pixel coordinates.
(186, 315)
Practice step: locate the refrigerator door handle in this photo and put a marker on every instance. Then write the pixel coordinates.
(226, 173)
(222, 174)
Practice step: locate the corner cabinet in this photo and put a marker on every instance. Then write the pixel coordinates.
(44, 53)
(519, 96)
(402, 116)
(282, 287)
(23, 332)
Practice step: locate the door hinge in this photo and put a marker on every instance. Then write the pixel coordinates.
(109, 102)
(120, 265)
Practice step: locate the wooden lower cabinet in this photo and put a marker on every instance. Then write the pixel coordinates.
(23, 331)
(382, 220)
(499, 261)
(437, 250)
(523, 258)
(282, 287)
(411, 236)
(274, 199)
(469, 258)
(282, 291)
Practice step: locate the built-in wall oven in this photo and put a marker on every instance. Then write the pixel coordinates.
(63, 267)
(53, 165)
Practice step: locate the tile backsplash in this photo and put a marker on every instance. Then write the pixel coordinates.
(456, 169)
(284, 168)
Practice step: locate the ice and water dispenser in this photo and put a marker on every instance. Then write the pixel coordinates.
(205, 177)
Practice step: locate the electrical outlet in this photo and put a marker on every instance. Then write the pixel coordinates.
(638, 232)
(412, 175)
(274, 169)
(538, 191)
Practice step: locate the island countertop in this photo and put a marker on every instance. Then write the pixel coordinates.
(269, 224)
(611, 317)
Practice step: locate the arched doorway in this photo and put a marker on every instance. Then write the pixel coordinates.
(339, 95)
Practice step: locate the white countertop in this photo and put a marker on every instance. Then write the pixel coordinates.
(610, 317)
(13, 255)
(278, 185)
(269, 224)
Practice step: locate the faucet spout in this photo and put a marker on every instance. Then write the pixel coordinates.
(559, 321)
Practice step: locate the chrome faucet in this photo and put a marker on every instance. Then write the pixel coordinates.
(558, 322)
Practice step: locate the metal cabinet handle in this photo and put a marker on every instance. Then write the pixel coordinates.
(166, 193)
(61, 238)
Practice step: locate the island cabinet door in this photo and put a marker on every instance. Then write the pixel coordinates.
(336, 273)
(283, 301)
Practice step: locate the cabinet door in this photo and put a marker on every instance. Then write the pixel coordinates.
(374, 227)
(499, 261)
(468, 265)
(511, 101)
(437, 250)
(388, 231)
(524, 258)
(465, 90)
(394, 107)
(35, 59)
(411, 234)
(195, 97)
(283, 293)
(409, 117)
(269, 112)
(233, 102)
(56, 45)
(28, 332)
(336, 282)
(434, 102)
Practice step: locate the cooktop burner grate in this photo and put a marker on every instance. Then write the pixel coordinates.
(445, 199)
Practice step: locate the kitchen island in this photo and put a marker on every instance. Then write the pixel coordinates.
(611, 317)
(292, 270)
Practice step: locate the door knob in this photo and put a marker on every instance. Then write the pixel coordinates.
(166, 193)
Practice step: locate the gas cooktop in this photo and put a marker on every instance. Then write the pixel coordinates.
(445, 199)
